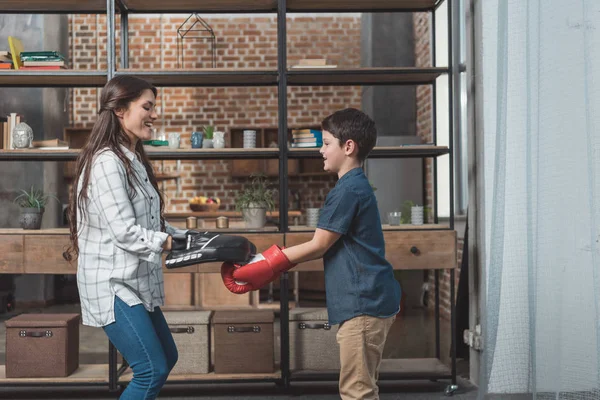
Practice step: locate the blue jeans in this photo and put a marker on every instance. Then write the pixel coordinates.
(145, 341)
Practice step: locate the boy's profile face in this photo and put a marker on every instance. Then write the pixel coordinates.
(334, 154)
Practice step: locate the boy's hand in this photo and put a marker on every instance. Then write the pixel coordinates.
(262, 269)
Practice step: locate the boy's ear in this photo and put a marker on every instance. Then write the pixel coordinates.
(350, 147)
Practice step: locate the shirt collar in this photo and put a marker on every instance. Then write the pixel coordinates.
(128, 153)
(353, 172)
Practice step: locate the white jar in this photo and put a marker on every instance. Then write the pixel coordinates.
(416, 215)
(249, 139)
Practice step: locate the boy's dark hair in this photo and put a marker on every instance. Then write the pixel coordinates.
(352, 124)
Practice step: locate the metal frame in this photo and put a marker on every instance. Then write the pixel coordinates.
(283, 155)
(210, 37)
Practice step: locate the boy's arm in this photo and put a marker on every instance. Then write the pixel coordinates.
(313, 249)
(268, 265)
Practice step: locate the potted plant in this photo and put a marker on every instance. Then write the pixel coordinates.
(254, 202)
(32, 203)
(209, 131)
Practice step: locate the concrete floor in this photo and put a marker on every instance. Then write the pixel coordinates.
(412, 336)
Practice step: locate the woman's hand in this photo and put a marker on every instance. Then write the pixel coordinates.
(167, 244)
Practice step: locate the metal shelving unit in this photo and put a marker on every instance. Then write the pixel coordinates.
(282, 77)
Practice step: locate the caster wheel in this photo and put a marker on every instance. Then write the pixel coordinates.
(450, 389)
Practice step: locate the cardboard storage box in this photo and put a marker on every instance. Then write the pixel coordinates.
(42, 345)
(243, 341)
(313, 344)
(190, 330)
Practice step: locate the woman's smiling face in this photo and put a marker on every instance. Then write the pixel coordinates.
(137, 121)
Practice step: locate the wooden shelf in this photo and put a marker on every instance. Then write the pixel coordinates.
(391, 369)
(213, 6)
(53, 6)
(363, 76)
(211, 376)
(164, 177)
(230, 214)
(360, 5)
(413, 151)
(86, 373)
(205, 6)
(158, 154)
(207, 77)
(17, 231)
(60, 78)
(385, 227)
(213, 154)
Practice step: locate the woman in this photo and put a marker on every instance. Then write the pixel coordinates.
(118, 234)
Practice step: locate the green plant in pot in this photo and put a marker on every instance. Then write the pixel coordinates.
(209, 131)
(254, 202)
(32, 203)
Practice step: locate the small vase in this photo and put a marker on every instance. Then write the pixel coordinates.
(207, 144)
(219, 140)
(196, 140)
(31, 218)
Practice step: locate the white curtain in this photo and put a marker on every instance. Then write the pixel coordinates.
(541, 133)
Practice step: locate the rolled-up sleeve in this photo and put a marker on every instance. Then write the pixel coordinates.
(171, 230)
(108, 191)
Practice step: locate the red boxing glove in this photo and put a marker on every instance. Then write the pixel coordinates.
(229, 281)
(260, 272)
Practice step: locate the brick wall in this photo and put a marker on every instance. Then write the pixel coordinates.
(422, 34)
(241, 42)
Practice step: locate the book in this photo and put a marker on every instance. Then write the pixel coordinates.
(16, 48)
(309, 144)
(42, 56)
(43, 63)
(50, 143)
(311, 137)
(298, 133)
(53, 148)
(313, 63)
(314, 66)
(42, 68)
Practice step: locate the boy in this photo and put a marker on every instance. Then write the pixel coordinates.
(362, 294)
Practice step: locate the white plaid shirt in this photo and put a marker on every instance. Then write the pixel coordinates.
(120, 241)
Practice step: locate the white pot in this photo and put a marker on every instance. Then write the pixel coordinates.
(255, 216)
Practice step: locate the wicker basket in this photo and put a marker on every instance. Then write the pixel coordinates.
(205, 207)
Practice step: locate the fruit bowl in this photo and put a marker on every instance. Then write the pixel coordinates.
(204, 203)
(205, 207)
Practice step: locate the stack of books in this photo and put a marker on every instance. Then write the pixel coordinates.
(307, 138)
(6, 61)
(42, 60)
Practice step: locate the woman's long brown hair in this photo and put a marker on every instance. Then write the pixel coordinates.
(107, 132)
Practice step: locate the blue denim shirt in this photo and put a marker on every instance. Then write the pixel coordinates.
(358, 278)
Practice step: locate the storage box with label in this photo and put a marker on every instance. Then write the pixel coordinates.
(243, 341)
(313, 344)
(42, 345)
(190, 330)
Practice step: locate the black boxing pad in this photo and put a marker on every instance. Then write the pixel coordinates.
(197, 248)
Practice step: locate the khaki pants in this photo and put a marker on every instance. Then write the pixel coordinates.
(361, 341)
